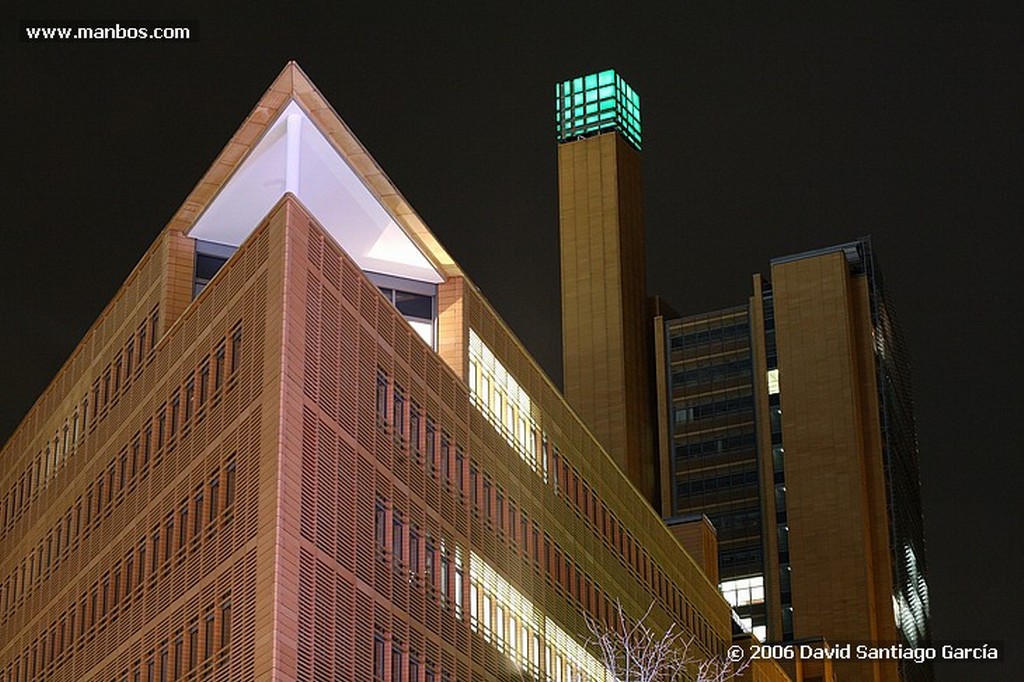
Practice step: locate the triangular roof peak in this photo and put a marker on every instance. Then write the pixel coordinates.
(294, 141)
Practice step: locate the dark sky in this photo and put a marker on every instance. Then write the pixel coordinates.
(764, 135)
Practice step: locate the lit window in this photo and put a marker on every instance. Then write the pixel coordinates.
(507, 407)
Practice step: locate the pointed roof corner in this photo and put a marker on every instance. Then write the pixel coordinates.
(294, 141)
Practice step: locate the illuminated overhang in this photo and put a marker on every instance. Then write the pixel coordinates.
(293, 155)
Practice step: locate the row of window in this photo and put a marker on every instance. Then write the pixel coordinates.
(188, 654)
(107, 388)
(710, 408)
(121, 476)
(126, 582)
(718, 445)
(720, 371)
(112, 380)
(739, 329)
(724, 482)
(404, 663)
(498, 510)
(195, 514)
(509, 409)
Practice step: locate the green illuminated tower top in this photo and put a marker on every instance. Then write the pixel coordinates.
(594, 104)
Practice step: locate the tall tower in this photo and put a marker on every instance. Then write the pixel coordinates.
(605, 326)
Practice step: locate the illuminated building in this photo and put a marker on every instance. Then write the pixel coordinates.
(789, 423)
(299, 444)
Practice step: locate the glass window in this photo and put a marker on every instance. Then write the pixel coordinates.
(153, 321)
(414, 305)
(397, 536)
(236, 349)
(378, 657)
(379, 524)
(382, 398)
(204, 381)
(225, 623)
(218, 367)
(208, 635)
(230, 484)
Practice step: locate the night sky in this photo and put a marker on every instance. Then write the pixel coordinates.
(764, 135)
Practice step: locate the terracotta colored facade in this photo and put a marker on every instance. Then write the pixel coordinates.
(279, 479)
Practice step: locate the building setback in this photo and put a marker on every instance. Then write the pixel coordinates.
(299, 444)
(789, 423)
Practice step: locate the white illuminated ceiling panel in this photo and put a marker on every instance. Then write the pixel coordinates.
(295, 156)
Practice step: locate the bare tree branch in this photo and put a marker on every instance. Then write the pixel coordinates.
(633, 652)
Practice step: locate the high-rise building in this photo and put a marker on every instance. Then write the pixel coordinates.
(299, 444)
(789, 423)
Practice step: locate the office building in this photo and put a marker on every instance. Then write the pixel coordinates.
(788, 421)
(299, 444)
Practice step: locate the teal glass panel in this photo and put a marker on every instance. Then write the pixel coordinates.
(595, 104)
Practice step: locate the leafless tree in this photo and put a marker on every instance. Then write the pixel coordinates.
(632, 651)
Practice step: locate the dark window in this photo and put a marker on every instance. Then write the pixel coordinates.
(214, 497)
(208, 635)
(414, 305)
(156, 549)
(414, 552)
(183, 524)
(512, 519)
(169, 537)
(197, 521)
(397, 534)
(175, 412)
(218, 367)
(398, 411)
(487, 498)
(225, 623)
(460, 469)
(430, 445)
(379, 524)
(204, 380)
(382, 398)
(179, 646)
(445, 457)
(190, 398)
(129, 567)
(378, 657)
(193, 645)
(153, 321)
(236, 349)
(230, 484)
(207, 265)
(397, 669)
(414, 427)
